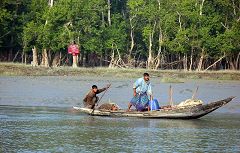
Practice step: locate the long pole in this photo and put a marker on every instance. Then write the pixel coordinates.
(194, 93)
(170, 96)
(103, 94)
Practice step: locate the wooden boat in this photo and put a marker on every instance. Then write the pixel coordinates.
(192, 112)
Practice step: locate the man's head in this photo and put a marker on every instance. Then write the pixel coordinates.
(94, 88)
(146, 76)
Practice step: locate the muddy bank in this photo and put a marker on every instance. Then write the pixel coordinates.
(12, 69)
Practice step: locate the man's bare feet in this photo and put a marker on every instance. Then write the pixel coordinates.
(129, 107)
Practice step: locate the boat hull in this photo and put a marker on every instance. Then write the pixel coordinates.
(193, 112)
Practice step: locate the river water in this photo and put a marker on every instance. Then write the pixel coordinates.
(36, 116)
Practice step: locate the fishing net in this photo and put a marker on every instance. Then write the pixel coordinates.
(190, 103)
(109, 106)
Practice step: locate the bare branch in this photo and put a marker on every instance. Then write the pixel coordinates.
(5, 34)
(225, 26)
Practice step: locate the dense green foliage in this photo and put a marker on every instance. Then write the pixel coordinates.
(183, 34)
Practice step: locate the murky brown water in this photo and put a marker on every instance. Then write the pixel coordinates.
(36, 116)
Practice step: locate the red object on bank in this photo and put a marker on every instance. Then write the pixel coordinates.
(73, 49)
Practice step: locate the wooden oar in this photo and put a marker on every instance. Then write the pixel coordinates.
(100, 98)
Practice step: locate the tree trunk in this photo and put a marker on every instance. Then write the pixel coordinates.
(232, 63)
(158, 61)
(25, 59)
(237, 64)
(201, 61)
(149, 64)
(50, 2)
(180, 66)
(185, 61)
(160, 39)
(11, 50)
(45, 60)
(49, 57)
(35, 57)
(191, 60)
(150, 56)
(109, 12)
(111, 64)
(10, 55)
(56, 60)
(103, 21)
(132, 39)
(60, 58)
(23, 56)
(84, 59)
(201, 8)
(179, 21)
(103, 57)
(80, 61)
(109, 16)
(74, 65)
(101, 60)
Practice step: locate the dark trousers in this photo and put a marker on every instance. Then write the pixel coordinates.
(91, 104)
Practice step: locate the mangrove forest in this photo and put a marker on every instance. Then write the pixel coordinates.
(190, 35)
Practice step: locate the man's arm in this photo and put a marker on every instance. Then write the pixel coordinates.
(137, 83)
(134, 92)
(103, 89)
(135, 86)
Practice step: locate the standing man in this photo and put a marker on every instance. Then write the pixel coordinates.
(91, 98)
(142, 90)
(74, 50)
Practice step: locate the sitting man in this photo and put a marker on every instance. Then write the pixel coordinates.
(91, 98)
(141, 90)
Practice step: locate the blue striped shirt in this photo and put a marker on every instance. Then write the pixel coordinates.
(142, 86)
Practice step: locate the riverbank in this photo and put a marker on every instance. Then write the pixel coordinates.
(15, 69)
